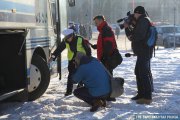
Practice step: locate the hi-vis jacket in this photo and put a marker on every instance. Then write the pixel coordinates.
(78, 44)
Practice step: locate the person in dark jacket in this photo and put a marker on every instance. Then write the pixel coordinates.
(106, 43)
(74, 44)
(95, 79)
(139, 38)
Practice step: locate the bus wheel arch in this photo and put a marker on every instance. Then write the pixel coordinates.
(39, 51)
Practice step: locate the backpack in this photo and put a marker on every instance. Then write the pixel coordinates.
(151, 42)
(152, 36)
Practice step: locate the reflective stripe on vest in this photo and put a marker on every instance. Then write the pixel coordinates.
(79, 46)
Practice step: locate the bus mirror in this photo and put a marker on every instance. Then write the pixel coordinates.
(71, 3)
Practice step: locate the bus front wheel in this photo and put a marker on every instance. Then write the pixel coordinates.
(39, 78)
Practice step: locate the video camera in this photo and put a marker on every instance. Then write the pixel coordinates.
(130, 20)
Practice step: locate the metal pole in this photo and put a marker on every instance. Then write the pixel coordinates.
(174, 28)
(133, 5)
(58, 37)
(100, 7)
(92, 7)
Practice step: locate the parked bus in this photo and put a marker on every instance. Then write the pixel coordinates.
(29, 29)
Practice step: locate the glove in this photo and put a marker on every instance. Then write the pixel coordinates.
(94, 46)
(52, 58)
(127, 55)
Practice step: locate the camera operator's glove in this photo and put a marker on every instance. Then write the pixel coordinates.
(94, 46)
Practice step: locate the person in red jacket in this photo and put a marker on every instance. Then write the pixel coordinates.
(106, 42)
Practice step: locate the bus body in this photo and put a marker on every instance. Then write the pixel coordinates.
(27, 34)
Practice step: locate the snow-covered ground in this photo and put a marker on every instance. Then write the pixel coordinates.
(53, 105)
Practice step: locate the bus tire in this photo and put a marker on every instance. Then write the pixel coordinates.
(41, 67)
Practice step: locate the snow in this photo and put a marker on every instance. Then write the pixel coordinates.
(54, 106)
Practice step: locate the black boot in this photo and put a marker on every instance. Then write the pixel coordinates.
(96, 104)
(136, 97)
(69, 88)
(111, 99)
(67, 93)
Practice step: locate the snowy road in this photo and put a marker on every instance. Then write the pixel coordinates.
(53, 105)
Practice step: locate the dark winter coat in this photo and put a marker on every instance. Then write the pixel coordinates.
(140, 36)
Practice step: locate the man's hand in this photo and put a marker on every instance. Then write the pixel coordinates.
(94, 46)
(129, 37)
(51, 59)
(126, 25)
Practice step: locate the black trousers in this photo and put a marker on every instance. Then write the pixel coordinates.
(151, 77)
(83, 94)
(107, 67)
(143, 77)
(71, 69)
(110, 71)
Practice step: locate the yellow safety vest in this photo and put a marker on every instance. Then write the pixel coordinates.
(80, 48)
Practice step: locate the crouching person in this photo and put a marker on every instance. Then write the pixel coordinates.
(95, 79)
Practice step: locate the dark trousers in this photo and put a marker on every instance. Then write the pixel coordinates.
(107, 67)
(151, 77)
(83, 94)
(143, 77)
(110, 71)
(71, 69)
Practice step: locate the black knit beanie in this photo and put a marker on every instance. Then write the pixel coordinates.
(139, 9)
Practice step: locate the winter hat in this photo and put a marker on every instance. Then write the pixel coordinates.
(139, 10)
(67, 32)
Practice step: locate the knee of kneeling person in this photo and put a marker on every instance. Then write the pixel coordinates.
(76, 93)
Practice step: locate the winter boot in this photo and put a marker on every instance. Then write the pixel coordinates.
(111, 99)
(67, 93)
(144, 101)
(69, 88)
(96, 104)
(136, 97)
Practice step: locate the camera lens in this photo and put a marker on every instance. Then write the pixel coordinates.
(121, 26)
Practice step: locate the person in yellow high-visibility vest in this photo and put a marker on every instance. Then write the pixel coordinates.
(74, 44)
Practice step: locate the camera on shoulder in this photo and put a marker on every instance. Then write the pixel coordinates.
(129, 20)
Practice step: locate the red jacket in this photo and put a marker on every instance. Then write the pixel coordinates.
(106, 41)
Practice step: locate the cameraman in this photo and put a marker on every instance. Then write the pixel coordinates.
(138, 36)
